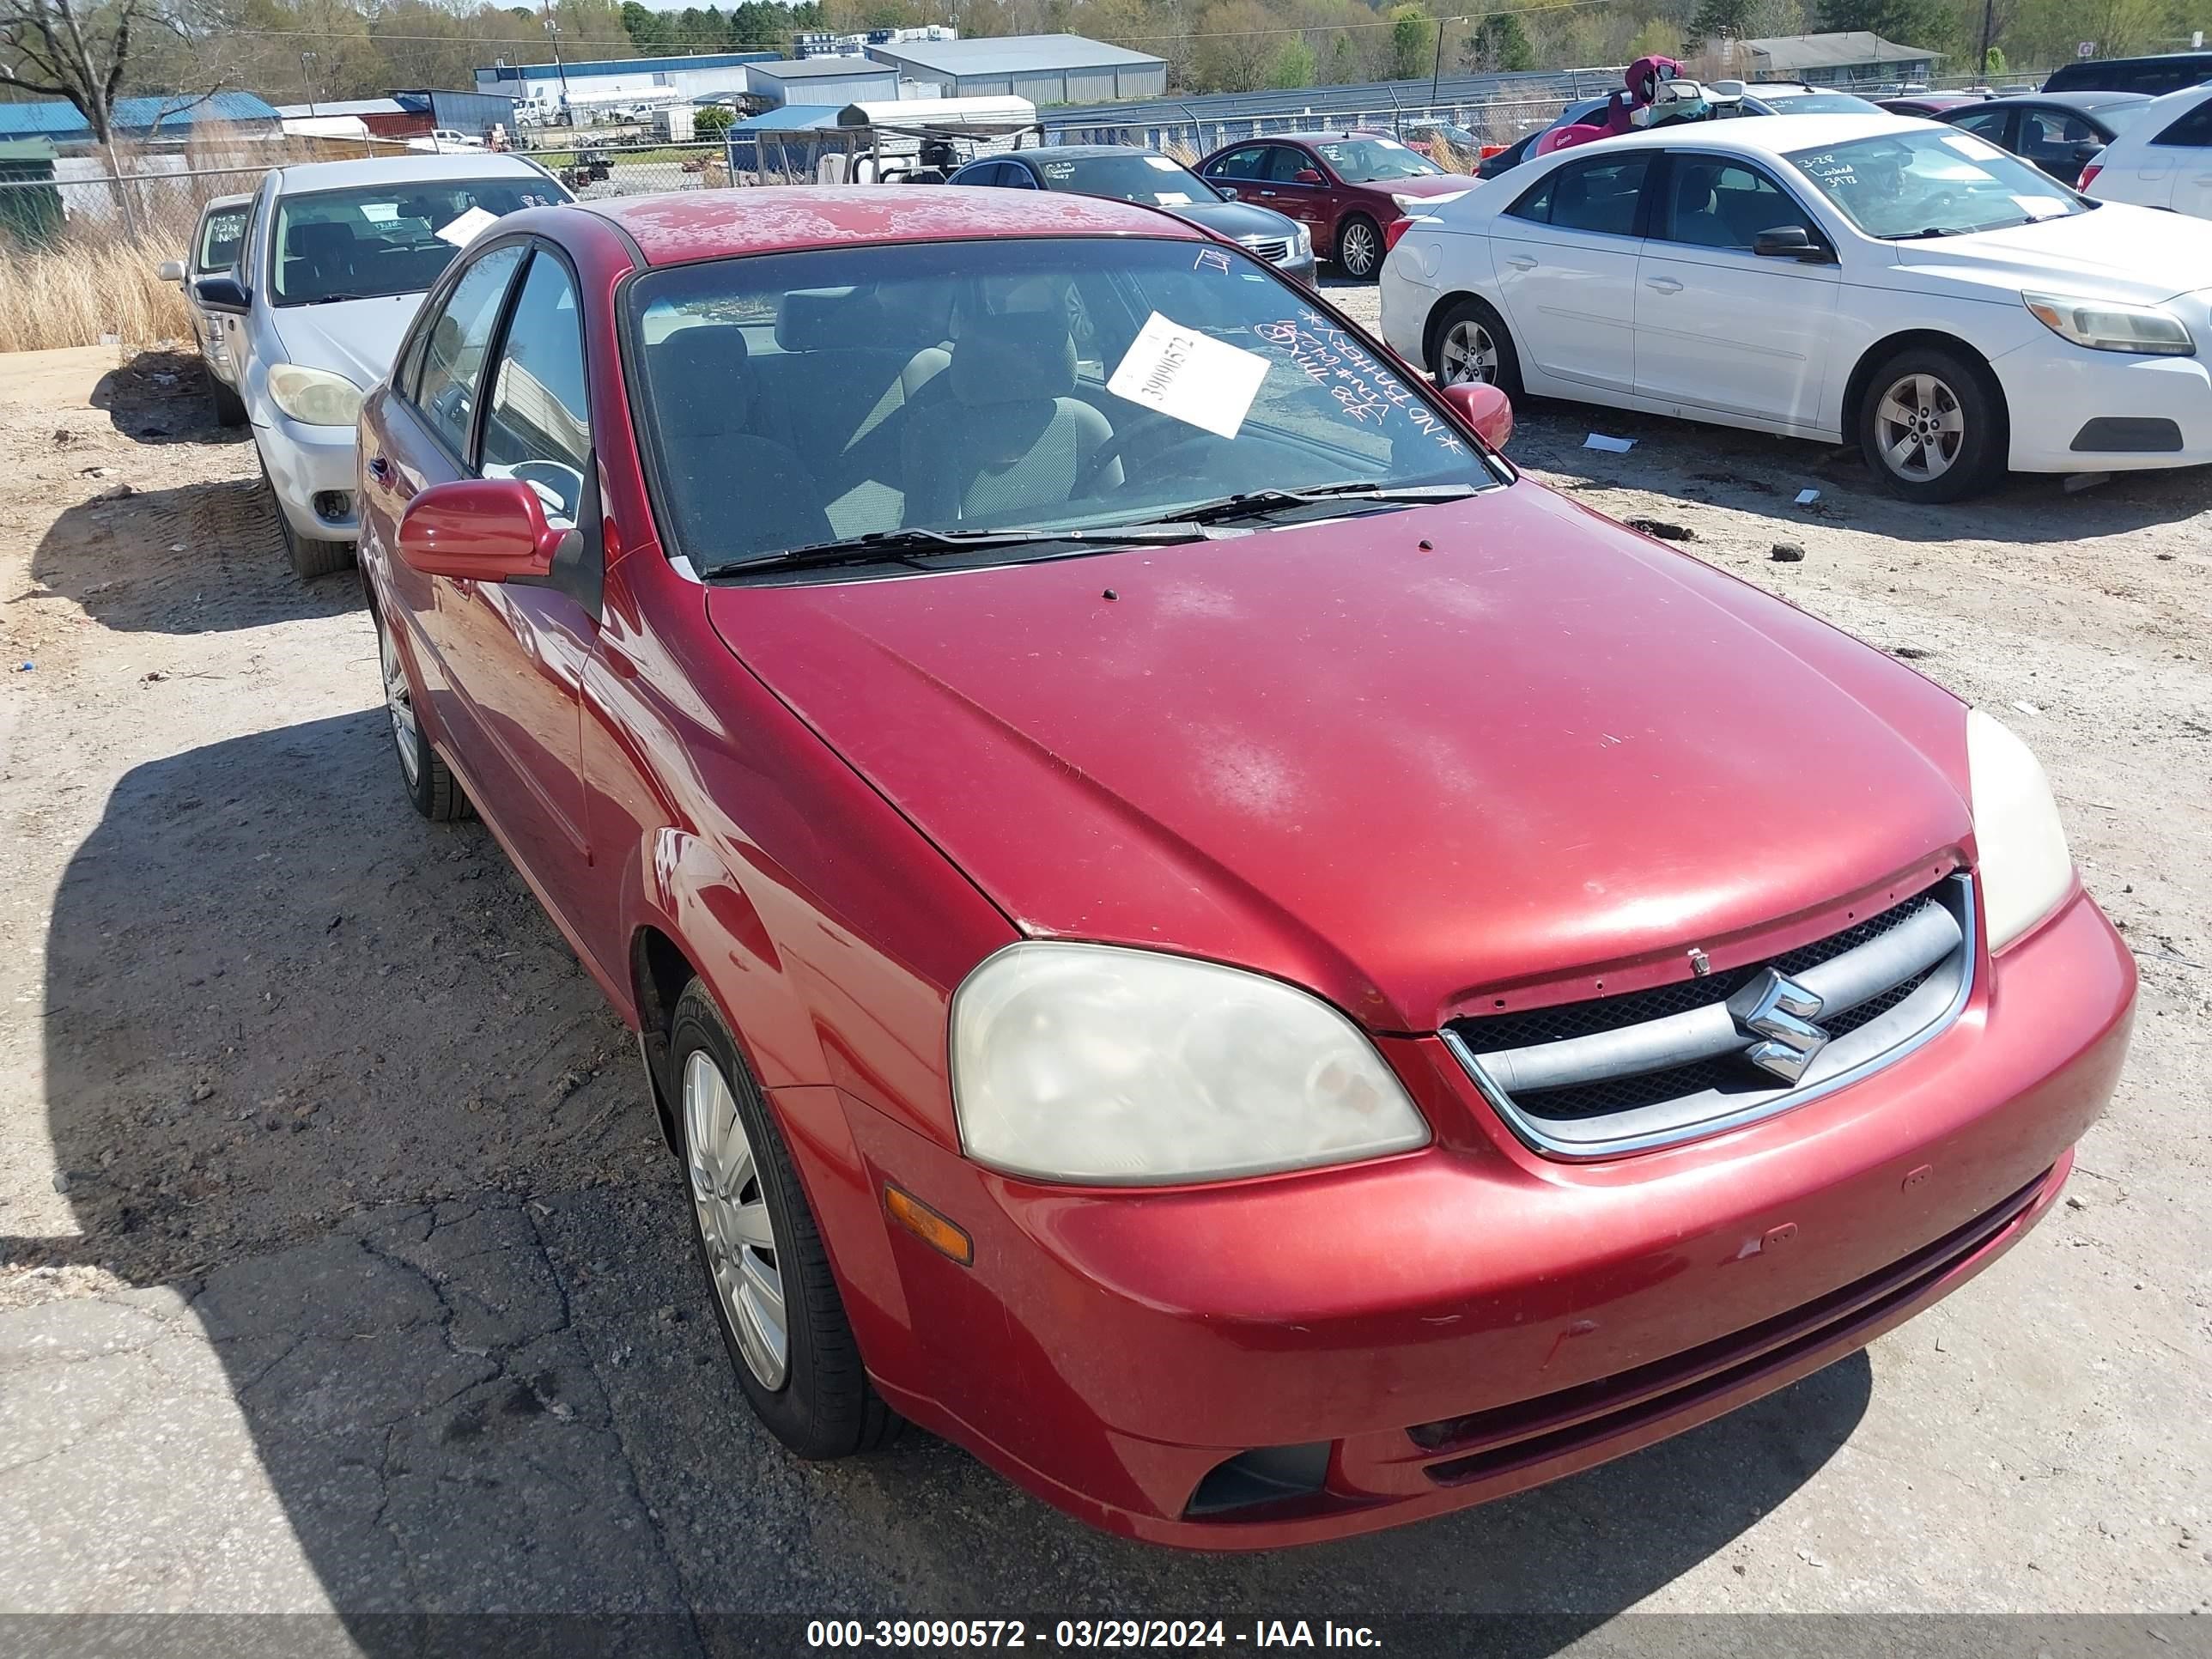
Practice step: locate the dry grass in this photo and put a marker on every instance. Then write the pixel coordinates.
(1175, 150)
(75, 294)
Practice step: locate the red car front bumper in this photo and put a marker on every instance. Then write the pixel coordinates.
(1470, 1320)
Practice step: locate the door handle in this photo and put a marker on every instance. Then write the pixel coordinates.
(380, 469)
(1664, 284)
(1521, 262)
(1266, 192)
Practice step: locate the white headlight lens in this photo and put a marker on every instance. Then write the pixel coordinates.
(314, 397)
(1089, 1063)
(2108, 326)
(2026, 868)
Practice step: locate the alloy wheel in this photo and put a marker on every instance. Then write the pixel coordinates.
(734, 1224)
(1467, 355)
(399, 701)
(1920, 427)
(1355, 249)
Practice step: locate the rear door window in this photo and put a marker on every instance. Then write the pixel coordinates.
(1599, 196)
(2193, 130)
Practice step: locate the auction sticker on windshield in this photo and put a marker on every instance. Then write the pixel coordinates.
(1189, 376)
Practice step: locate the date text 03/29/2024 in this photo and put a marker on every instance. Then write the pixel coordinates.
(1085, 1633)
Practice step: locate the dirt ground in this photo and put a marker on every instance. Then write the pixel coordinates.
(267, 1036)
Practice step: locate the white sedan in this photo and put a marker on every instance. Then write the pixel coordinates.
(1952, 308)
(2164, 160)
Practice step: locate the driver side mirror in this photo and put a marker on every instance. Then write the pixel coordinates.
(223, 294)
(169, 270)
(1788, 242)
(1306, 176)
(485, 529)
(1483, 407)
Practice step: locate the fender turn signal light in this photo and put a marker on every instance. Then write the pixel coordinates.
(931, 1227)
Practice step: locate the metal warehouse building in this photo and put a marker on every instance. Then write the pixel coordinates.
(1045, 69)
(835, 80)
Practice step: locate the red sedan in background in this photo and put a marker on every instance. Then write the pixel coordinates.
(1194, 933)
(1347, 188)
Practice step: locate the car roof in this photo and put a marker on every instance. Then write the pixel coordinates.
(413, 168)
(1774, 135)
(2088, 98)
(680, 225)
(215, 203)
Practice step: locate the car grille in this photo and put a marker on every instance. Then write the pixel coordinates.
(1626, 1073)
(1273, 249)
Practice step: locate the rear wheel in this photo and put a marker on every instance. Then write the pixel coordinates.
(782, 1319)
(1933, 425)
(1472, 345)
(1358, 247)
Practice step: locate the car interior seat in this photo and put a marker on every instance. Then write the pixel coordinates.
(749, 494)
(1013, 443)
(318, 256)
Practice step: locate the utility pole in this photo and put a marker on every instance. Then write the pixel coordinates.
(308, 80)
(1989, 28)
(553, 28)
(1437, 70)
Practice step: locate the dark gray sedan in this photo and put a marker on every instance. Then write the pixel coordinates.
(1125, 175)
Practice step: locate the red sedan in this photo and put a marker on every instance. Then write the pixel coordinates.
(1347, 188)
(1194, 933)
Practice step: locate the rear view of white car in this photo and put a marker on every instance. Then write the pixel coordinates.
(2164, 160)
(336, 257)
(1955, 311)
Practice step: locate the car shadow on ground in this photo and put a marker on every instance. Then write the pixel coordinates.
(328, 1073)
(192, 559)
(161, 397)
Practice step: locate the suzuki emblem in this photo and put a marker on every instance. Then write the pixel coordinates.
(1778, 1013)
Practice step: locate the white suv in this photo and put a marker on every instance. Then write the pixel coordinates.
(2164, 160)
(336, 259)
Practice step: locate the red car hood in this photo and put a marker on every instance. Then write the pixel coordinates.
(1402, 759)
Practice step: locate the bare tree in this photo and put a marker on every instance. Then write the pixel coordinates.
(78, 50)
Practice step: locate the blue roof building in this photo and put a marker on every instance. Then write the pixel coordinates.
(172, 116)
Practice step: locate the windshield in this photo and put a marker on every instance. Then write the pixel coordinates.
(1935, 183)
(1370, 161)
(795, 400)
(1153, 181)
(387, 238)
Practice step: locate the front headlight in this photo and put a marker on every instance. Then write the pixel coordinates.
(1301, 244)
(314, 397)
(2109, 325)
(2026, 868)
(1093, 1063)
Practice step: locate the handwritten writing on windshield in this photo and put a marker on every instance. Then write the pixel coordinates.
(1365, 391)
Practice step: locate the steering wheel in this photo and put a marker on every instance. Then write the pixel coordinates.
(1185, 444)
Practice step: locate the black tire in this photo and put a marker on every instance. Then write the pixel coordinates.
(428, 782)
(1358, 247)
(1476, 316)
(310, 556)
(1945, 436)
(823, 1406)
(229, 407)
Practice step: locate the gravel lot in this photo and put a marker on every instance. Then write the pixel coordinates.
(344, 1270)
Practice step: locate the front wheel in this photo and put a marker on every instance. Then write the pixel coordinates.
(1933, 425)
(430, 784)
(782, 1319)
(1358, 247)
(229, 407)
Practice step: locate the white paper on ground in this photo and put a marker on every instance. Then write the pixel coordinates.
(1189, 376)
(1617, 445)
(466, 228)
(1807, 497)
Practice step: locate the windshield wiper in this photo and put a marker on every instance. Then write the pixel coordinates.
(1254, 503)
(1925, 231)
(335, 298)
(891, 546)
